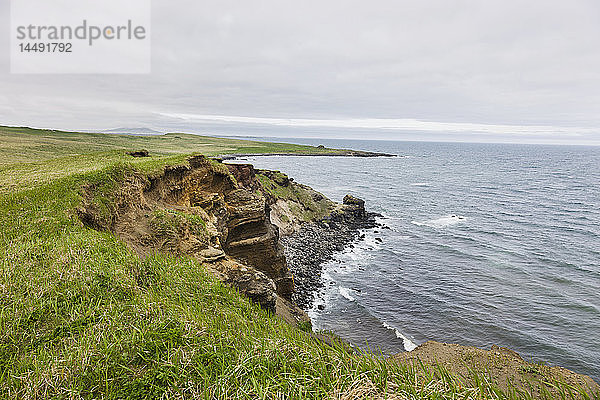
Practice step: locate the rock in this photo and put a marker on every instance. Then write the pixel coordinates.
(244, 174)
(254, 284)
(211, 254)
(139, 153)
(351, 200)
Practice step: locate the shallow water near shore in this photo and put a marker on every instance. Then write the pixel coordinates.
(487, 244)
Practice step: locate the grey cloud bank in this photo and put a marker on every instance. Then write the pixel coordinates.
(432, 70)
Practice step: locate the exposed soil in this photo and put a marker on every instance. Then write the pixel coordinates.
(199, 210)
(139, 153)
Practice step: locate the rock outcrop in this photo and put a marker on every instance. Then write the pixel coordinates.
(292, 204)
(206, 210)
(312, 227)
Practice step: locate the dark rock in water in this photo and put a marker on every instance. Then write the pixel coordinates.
(317, 242)
(321, 307)
(349, 199)
(355, 206)
(378, 240)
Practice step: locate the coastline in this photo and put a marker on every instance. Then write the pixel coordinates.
(162, 253)
(311, 244)
(340, 153)
(315, 243)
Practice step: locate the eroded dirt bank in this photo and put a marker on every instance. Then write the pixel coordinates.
(203, 211)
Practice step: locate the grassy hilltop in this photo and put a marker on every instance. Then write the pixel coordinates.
(29, 157)
(82, 316)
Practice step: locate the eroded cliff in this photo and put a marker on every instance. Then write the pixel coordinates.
(228, 216)
(200, 210)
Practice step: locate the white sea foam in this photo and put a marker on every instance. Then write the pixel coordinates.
(369, 241)
(409, 345)
(420, 184)
(346, 293)
(442, 222)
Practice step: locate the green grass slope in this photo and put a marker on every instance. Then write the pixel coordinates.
(29, 157)
(82, 316)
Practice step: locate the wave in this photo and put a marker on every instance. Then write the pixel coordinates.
(420, 184)
(346, 293)
(442, 222)
(409, 345)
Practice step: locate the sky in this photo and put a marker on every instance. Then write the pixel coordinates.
(466, 70)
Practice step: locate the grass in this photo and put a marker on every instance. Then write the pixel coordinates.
(167, 225)
(82, 316)
(301, 203)
(30, 157)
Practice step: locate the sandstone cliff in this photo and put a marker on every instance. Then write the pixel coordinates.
(203, 211)
(292, 203)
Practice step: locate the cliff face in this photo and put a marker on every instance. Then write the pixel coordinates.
(292, 204)
(312, 227)
(203, 211)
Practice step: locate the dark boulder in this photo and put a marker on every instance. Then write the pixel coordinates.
(139, 153)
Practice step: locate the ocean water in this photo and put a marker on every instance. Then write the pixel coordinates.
(487, 244)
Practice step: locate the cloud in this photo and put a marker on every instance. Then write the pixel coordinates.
(527, 69)
(392, 124)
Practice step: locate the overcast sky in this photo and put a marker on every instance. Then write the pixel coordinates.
(509, 71)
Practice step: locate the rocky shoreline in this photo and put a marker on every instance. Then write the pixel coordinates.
(307, 249)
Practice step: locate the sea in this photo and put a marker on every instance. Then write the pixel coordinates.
(484, 244)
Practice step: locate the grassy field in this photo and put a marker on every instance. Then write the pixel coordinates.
(83, 317)
(30, 157)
